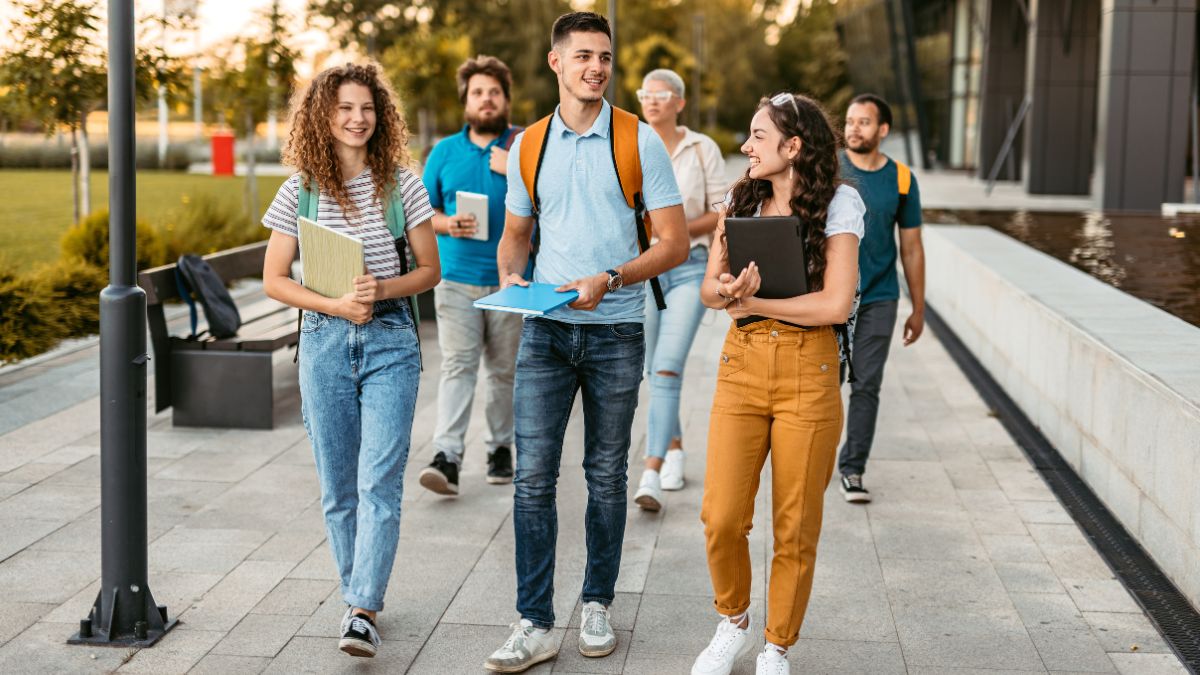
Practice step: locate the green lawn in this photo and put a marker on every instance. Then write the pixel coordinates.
(38, 205)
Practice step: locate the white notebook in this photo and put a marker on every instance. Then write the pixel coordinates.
(477, 204)
(330, 259)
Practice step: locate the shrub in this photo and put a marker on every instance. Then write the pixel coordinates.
(73, 287)
(27, 326)
(87, 240)
(206, 225)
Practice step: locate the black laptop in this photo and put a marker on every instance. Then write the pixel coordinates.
(776, 244)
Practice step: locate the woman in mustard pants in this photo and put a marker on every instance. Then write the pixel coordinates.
(778, 380)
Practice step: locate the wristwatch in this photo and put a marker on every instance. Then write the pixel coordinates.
(615, 280)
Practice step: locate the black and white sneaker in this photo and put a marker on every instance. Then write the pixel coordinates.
(361, 638)
(853, 490)
(500, 468)
(441, 476)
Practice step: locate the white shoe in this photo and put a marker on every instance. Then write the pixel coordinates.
(649, 494)
(596, 636)
(727, 646)
(672, 470)
(527, 646)
(771, 662)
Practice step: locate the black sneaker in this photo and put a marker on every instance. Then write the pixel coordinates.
(853, 490)
(361, 638)
(500, 470)
(441, 476)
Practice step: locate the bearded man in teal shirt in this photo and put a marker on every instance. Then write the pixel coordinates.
(893, 200)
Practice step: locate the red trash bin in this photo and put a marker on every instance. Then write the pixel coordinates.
(222, 154)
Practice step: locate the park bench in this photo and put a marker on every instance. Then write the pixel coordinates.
(211, 382)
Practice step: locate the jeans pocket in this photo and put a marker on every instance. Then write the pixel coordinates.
(394, 318)
(628, 331)
(313, 321)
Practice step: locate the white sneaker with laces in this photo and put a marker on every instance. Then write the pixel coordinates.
(596, 636)
(672, 470)
(771, 662)
(649, 494)
(527, 646)
(727, 646)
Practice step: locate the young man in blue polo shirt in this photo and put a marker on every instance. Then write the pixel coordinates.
(882, 183)
(473, 160)
(587, 242)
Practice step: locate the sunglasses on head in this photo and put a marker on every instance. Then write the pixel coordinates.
(660, 96)
(781, 99)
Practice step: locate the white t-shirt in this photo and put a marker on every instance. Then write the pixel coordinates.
(370, 223)
(846, 212)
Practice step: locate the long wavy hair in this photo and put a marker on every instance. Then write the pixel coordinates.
(311, 147)
(815, 170)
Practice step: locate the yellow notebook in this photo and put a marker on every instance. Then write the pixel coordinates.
(330, 259)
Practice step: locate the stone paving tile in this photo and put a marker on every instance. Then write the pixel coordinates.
(20, 533)
(462, 648)
(202, 550)
(231, 599)
(176, 652)
(1122, 632)
(50, 502)
(46, 576)
(320, 656)
(1147, 664)
(259, 635)
(15, 617)
(298, 597)
(1101, 595)
(1071, 650)
(845, 656)
(1020, 577)
(1011, 548)
(223, 664)
(43, 648)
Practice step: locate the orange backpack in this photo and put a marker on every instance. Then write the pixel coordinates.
(623, 138)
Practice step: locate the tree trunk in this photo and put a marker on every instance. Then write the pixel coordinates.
(85, 167)
(74, 177)
(251, 179)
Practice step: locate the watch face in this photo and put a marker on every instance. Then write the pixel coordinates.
(615, 282)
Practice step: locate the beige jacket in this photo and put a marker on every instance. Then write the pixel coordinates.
(700, 172)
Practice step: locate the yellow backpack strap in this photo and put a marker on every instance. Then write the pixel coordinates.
(533, 149)
(628, 161)
(903, 177)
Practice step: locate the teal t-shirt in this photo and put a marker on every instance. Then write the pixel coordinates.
(877, 251)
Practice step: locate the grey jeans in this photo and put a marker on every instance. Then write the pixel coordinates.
(872, 338)
(466, 336)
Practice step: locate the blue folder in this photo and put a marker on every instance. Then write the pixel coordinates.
(534, 299)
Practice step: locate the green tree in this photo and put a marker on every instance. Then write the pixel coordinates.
(56, 66)
(810, 57)
(251, 78)
(422, 70)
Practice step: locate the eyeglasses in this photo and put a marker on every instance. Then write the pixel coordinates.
(780, 99)
(660, 96)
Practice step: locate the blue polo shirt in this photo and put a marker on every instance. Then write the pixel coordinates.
(458, 164)
(586, 226)
(877, 251)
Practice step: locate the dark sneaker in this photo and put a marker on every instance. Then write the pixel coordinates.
(441, 476)
(853, 490)
(500, 469)
(361, 638)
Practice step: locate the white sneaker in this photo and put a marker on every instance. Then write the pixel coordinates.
(527, 646)
(771, 662)
(727, 646)
(596, 636)
(672, 470)
(649, 494)
(361, 638)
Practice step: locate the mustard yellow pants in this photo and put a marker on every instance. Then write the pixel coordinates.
(777, 393)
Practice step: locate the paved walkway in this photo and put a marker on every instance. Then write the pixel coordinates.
(964, 562)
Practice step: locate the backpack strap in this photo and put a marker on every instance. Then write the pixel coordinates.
(512, 136)
(533, 151)
(903, 185)
(627, 161)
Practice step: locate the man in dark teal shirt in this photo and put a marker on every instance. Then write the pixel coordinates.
(890, 192)
(473, 160)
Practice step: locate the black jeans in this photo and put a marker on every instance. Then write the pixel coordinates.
(872, 338)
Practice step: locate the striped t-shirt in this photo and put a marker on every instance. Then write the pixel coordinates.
(369, 225)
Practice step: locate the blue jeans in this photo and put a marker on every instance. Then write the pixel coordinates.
(555, 361)
(669, 336)
(358, 387)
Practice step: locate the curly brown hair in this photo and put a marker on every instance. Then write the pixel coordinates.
(816, 176)
(310, 147)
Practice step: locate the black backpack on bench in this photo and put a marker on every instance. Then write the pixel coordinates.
(193, 274)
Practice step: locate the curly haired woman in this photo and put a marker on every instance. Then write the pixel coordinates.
(778, 380)
(359, 357)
